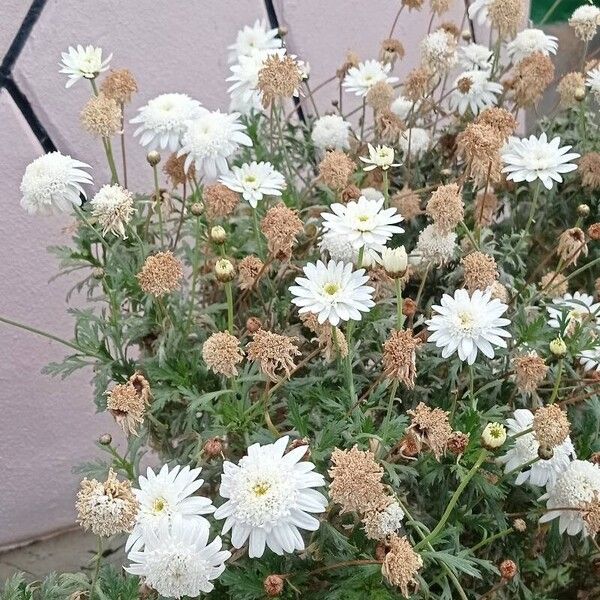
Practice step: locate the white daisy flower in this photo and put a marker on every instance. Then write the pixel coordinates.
(253, 38)
(112, 207)
(269, 498)
(578, 484)
(529, 41)
(163, 120)
(478, 11)
(473, 57)
(380, 156)
(360, 79)
(593, 82)
(331, 132)
(435, 246)
(578, 308)
(83, 63)
(333, 292)
(415, 138)
(525, 449)
(468, 324)
(165, 495)
(254, 181)
(177, 559)
(401, 107)
(439, 51)
(210, 140)
(590, 359)
(370, 193)
(473, 90)
(341, 249)
(363, 222)
(534, 158)
(244, 78)
(52, 183)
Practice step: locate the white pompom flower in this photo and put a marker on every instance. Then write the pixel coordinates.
(334, 292)
(414, 141)
(475, 57)
(468, 324)
(83, 63)
(530, 41)
(401, 107)
(331, 132)
(254, 181)
(163, 120)
(360, 79)
(112, 208)
(254, 38)
(473, 90)
(593, 82)
(270, 497)
(53, 183)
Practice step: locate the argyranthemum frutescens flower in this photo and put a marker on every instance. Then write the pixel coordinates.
(381, 157)
(334, 292)
(177, 559)
(574, 309)
(254, 181)
(251, 39)
(83, 63)
(331, 132)
(365, 75)
(529, 41)
(270, 496)
(112, 207)
(473, 90)
(467, 324)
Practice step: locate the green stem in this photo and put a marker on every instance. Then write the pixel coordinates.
(557, 382)
(195, 262)
(390, 406)
(550, 11)
(491, 539)
(348, 363)
(533, 208)
(257, 234)
(97, 569)
(229, 294)
(158, 204)
(399, 315)
(114, 178)
(386, 189)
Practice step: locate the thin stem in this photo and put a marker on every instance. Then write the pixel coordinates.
(390, 406)
(123, 155)
(229, 294)
(557, 382)
(259, 245)
(396, 20)
(386, 188)
(422, 286)
(158, 203)
(97, 569)
(399, 315)
(491, 539)
(181, 216)
(195, 262)
(550, 11)
(532, 210)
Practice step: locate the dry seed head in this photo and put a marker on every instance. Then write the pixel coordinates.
(275, 353)
(399, 357)
(585, 23)
(389, 126)
(279, 78)
(500, 119)
(486, 206)
(350, 192)
(508, 569)
(273, 585)
(446, 207)
(571, 245)
(174, 170)
(568, 89)
(331, 340)
(249, 269)
(590, 512)
(519, 525)
(127, 406)
(530, 371)
(212, 448)
(480, 271)
(589, 170)
(222, 353)
(101, 116)
(352, 60)
(480, 144)
(160, 274)
(119, 85)
(407, 203)
(551, 425)
(451, 28)
(391, 50)
(439, 7)
(506, 16)
(280, 226)
(432, 428)
(417, 83)
(219, 200)
(458, 442)
(380, 96)
(413, 4)
(532, 76)
(335, 169)
(401, 565)
(594, 231)
(554, 284)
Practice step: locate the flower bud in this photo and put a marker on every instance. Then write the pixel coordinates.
(224, 270)
(197, 209)
(395, 261)
(583, 210)
(545, 452)
(153, 158)
(519, 525)
(97, 272)
(212, 448)
(508, 569)
(466, 35)
(253, 324)
(493, 436)
(579, 94)
(558, 347)
(218, 235)
(273, 585)
(105, 439)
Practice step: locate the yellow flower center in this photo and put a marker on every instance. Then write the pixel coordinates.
(260, 489)
(159, 505)
(331, 288)
(466, 320)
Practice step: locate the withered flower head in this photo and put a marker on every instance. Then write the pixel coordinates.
(249, 269)
(174, 170)
(222, 353)
(590, 512)
(451, 28)
(280, 226)
(160, 274)
(219, 200)
(439, 7)
(446, 207)
(399, 356)
(407, 203)
(119, 85)
(530, 371)
(335, 169)
(480, 145)
(352, 60)
(571, 245)
(101, 116)
(106, 508)
(569, 87)
(589, 170)
(350, 192)
(274, 352)
(330, 339)
(585, 21)
(479, 271)
(458, 442)
(273, 585)
(554, 284)
(508, 569)
(532, 76)
(486, 206)
(413, 4)
(127, 402)
(550, 425)
(500, 119)
(432, 428)
(380, 96)
(389, 126)
(401, 564)
(279, 78)
(417, 83)
(391, 50)
(594, 231)
(506, 16)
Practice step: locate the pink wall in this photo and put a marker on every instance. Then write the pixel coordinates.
(48, 425)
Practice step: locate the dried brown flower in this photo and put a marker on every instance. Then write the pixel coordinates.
(119, 85)
(401, 564)
(451, 28)
(380, 95)
(407, 203)
(532, 76)
(391, 50)
(584, 25)
(350, 192)
(479, 271)
(127, 406)
(160, 274)
(458, 442)
(399, 355)
(174, 170)
(486, 205)
(101, 116)
(274, 352)
(432, 428)
(500, 292)
(594, 231)
(439, 7)
(508, 569)
(279, 78)
(589, 169)
(551, 425)
(221, 353)
(506, 16)
(352, 60)
(106, 508)
(212, 448)
(249, 269)
(571, 245)
(590, 512)
(336, 169)
(446, 207)
(389, 125)
(569, 87)
(500, 119)
(273, 585)
(417, 83)
(530, 371)
(480, 144)
(280, 226)
(519, 525)
(220, 201)
(554, 284)
(331, 340)
(413, 4)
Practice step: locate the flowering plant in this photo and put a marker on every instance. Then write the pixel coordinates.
(372, 331)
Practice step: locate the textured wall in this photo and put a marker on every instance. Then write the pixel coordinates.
(48, 425)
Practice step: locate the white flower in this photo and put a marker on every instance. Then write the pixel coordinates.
(270, 497)
(334, 292)
(577, 308)
(52, 183)
(331, 132)
(493, 435)
(590, 359)
(210, 140)
(389, 520)
(162, 121)
(381, 156)
(593, 82)
(249, 39)
(468, 324)
(363, 222)
(254, 181)
(365, 75)
(165, 495)
(244, 78)
(435, 246)
(370, 193)
(112, 207)
(529, 41)
(80, 62)
(481, 92)
(585, 20)
(578, 484)
(342, 249)
(475, 57)
(416, 139)
(525, 449)
(478, 11)
(401, 107)
(438, 51)
(177, 559)
(394, 261)
(534, 158)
